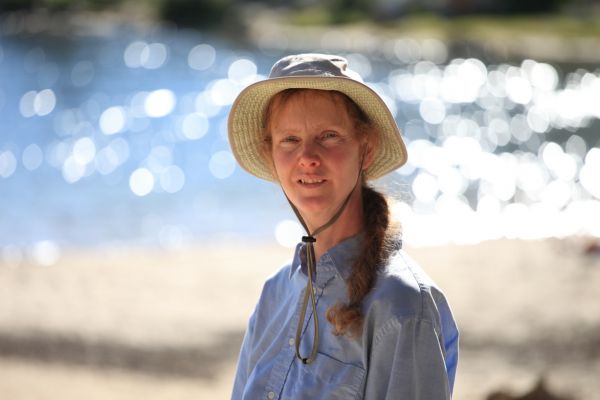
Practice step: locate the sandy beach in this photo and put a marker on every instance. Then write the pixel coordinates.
(130, 323)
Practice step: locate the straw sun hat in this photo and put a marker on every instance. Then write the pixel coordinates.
(310, 71)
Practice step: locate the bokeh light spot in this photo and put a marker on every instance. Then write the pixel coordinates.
(538, 119)
(242, 71)
(519, 89)
(84, 150)
(288, 233)
(202, 57)
(205, 105)
(112, 120)
(556, 194)
(141, 182)
(589, 173)
(361, 64)
(172, 179)
(153, 56)
(425, 187)
(432, 110)
(222, 164)
(223, 92)
(532, 177)
(8, 163)
(434, 50)
(44, 102)
(133, 54)
(32, 157)
(72, 170)
(520, 129)
(544, 77)
(159, 103)
(45, 253)
(82, 73)
(26, 104)
(194, 126)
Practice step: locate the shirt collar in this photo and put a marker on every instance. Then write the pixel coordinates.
(338, 259)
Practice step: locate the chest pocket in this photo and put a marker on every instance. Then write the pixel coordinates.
(326, 378)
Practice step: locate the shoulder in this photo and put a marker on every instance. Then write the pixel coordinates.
(404, 291)
(279, 281)
(275, 292)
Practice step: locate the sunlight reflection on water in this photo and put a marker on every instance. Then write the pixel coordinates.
(495, 150)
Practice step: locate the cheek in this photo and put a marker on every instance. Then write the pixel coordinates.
(346, 158)
(281, 161)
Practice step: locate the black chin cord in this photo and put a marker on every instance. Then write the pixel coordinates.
(309, 292)
(311, 262)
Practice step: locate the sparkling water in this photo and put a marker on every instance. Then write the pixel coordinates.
(121, 138)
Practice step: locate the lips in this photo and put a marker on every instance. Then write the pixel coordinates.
(309, 180)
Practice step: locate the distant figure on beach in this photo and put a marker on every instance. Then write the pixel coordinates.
(352, 316)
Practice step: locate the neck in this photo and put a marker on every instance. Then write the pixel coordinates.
(349, 223)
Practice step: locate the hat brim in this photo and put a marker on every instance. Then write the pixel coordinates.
(245, 123)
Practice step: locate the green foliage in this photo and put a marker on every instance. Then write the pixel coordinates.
(97, 4)
(56, 5)
(14, 5)
(533, 6)
(205, 13)
(450, 20)
(347, 11)
(317, 15)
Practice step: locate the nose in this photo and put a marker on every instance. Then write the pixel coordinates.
(309, 156)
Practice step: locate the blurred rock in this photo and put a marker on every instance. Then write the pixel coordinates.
(592, 248)
(539, 392)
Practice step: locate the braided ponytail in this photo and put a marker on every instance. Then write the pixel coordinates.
(377, 247)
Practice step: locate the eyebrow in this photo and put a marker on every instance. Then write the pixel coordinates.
(319, 127)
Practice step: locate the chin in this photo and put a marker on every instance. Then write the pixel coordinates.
(315, 207)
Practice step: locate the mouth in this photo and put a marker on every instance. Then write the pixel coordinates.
(310, 181)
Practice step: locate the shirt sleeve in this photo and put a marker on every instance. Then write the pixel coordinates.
(407, 361)
(243, 366)
(450, 338)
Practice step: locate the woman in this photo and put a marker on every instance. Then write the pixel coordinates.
(352, 316)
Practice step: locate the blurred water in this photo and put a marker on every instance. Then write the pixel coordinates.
(121, 138)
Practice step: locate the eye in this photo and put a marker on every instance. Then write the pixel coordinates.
(329, 135)
(290, 139)
(288, 142)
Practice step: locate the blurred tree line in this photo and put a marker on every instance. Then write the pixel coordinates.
(216, 13)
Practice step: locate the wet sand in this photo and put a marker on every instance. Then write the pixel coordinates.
(133, 323)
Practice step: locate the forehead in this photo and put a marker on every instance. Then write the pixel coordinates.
(314, 105)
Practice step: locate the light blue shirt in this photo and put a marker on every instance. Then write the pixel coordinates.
(408, 348)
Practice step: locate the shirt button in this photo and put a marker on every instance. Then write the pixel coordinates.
(271, 395)
(291, 341)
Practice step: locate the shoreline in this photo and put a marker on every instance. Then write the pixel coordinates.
(573, 41)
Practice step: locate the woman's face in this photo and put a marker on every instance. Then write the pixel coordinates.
(316, 152)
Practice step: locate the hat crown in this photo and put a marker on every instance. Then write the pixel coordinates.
(313, 64)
